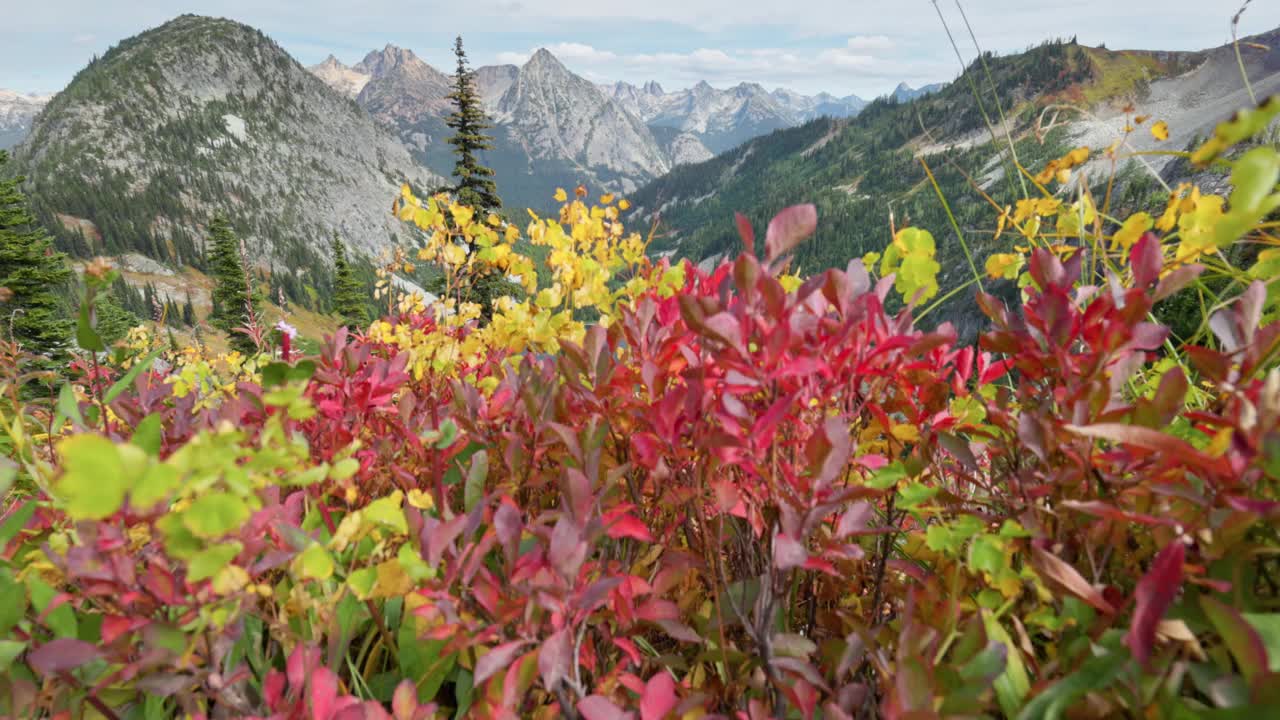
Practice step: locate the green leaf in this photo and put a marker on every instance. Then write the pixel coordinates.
(387, 512)
(1095, 674)
(1238, 635)
(1013, 684)
(68, 408)
(986, 554)
(206, 563)
(13, 602)
(148, 434)
(887, 476)
(448, 433)
(155, 484)
(913, 494)
(473, 492)
(215, 514)
(94, 479)
(9, 649)
(1267, 625)
(361, 582)
(316, 563)
(16, 521)
(123, 383)
(86, 337)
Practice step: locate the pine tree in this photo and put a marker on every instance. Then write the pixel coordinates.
(230, 291)
(475, 181)
(32, 271)
(348, 295)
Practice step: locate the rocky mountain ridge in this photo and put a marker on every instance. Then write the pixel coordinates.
(17, 112)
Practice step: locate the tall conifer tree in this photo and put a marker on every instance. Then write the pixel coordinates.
(32, 271)
(475, 186)
(230, 291)
(348, 295)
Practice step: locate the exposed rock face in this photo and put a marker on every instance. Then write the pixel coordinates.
(199, 117)
(493, 81)
(557, 115)
(345, 80)
(17, 112)
(401, 86)
(722, 119)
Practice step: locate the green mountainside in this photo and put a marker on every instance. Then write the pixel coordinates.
(865, 172)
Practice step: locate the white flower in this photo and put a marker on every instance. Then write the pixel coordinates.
(287, 329)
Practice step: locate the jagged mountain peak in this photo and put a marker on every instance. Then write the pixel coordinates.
(653, 88)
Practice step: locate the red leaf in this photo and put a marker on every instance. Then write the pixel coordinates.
(599, 707)
(555, 657)
(1154, 594)
(745, 232)
(568, 550)
(61, 654)
(1053, 568)
(788, 228)
(1168, 446)
(854, 519)
(496, 659)
(324, 693)
(1146, 260)
(644, 447)
(788, 552)
(404, 703)
(727, 328)
(659, 697)
(627, 525)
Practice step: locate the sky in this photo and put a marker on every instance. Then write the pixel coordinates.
(863, 47)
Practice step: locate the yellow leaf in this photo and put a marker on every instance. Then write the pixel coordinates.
(606, 199)
(905, 433)
(1004, 265)
(421, 500)
(1132, 229)
(1160, 131)
(623, 205)
(561, 195)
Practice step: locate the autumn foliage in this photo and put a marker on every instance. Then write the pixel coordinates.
(729, 493)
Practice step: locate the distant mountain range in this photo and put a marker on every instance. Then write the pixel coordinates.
(17, 111)
(555, 128)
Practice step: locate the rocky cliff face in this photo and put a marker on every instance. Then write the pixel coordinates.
(723, 119)
(401, 86)
(557, 116)
(345, 80)
(17, 112)
(202, 116)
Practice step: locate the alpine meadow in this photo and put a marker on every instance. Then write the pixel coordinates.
(848, 360)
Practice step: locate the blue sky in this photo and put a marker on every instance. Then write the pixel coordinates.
(839, 46)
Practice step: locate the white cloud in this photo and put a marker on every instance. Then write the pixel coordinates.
(869, 42)
(565, 51)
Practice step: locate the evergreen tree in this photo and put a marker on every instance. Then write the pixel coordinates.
(114, 320)
(230, 291)
(475, 181)
(348, 295)
(32, 271)
(189, 312)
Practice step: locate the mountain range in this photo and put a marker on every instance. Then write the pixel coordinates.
(555, 128)
(17, 111)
